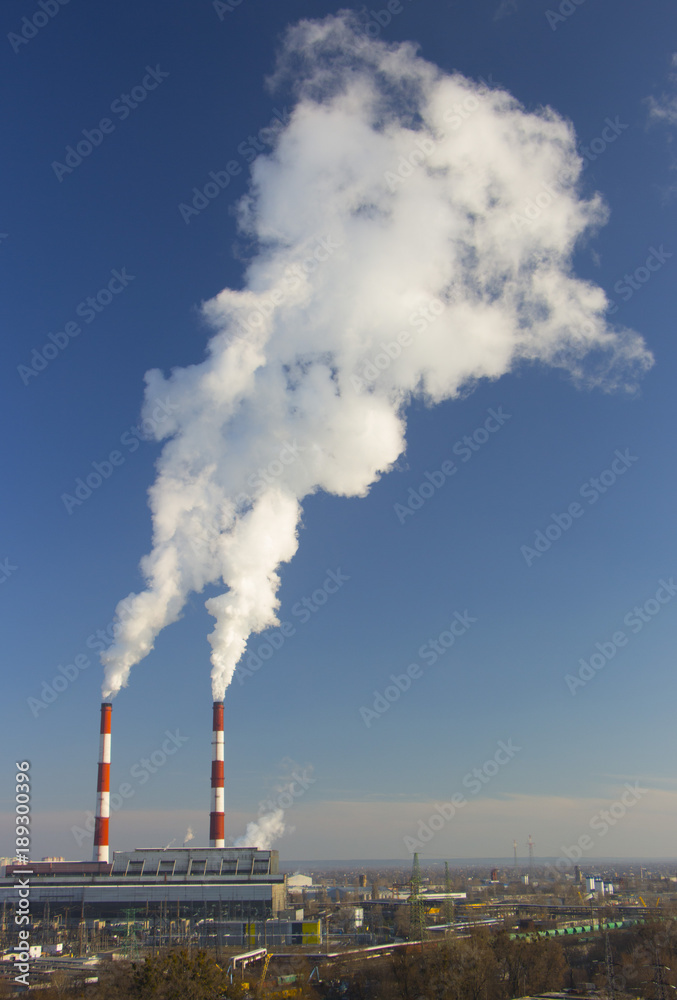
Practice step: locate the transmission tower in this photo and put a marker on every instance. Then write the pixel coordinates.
(659, 979)
(530, 845)
(608, 956)
(416, 905)
(449, 903)
(130, 948)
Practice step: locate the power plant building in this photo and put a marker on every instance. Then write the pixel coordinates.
(215, 883)
(195, 883)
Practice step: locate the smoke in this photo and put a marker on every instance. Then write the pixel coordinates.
(270, 826)
(189, 836)
(414, 234)
(263, 833)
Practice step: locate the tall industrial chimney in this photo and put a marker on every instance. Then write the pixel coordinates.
(103, 787)
(216, 826)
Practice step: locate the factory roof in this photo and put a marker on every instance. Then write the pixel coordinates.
(156, 864)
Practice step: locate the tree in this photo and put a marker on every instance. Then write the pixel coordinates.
(529, 966)
(177, 975)
(408, 975)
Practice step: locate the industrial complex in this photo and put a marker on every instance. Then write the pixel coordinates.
(215, 883)
(234, 902)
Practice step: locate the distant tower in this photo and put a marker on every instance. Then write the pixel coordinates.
(514, 849)
(530, 845)
(416, 906)
(659, 979)
(448, 903)
(609, 959)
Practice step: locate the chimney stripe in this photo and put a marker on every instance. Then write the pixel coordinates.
(103, 805)
(103, 787)
(216, 816)
(216, 829)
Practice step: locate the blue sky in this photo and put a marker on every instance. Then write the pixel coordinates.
(313, 706)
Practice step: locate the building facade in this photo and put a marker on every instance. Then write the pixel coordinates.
(189, 883)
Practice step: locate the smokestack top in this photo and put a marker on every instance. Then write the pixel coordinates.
(106, 712)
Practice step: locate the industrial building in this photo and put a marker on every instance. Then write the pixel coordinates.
(189, 883)
(259, 933)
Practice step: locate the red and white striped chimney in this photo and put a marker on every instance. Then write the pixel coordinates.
(103, 788)
(216, 824)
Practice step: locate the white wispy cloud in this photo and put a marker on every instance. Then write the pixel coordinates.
(663, 109)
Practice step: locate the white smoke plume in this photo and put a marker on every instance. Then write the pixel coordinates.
(264, 831)
(414, 233)
(189, 836)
